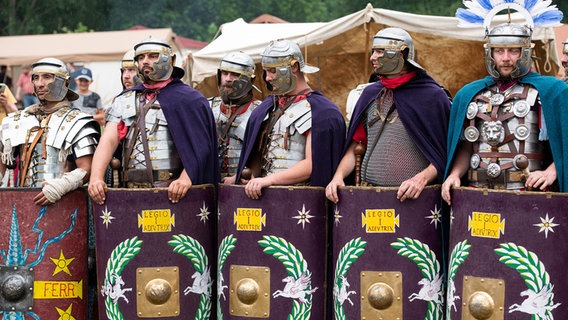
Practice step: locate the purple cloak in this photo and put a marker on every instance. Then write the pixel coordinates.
(192, 126)
(424, 109)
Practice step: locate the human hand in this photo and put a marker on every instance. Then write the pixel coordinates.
(97, 190)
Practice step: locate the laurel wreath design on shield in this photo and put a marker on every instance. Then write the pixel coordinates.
(193, 250)
(119, 258)
(225, 248)
(539, 299)
(297, 268)
(426, 260)
(458, 256)
(347, 256)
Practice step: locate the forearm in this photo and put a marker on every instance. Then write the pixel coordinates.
(461, 163)
(104, 153)
(299, 172)
(428, 175)
(347, 163)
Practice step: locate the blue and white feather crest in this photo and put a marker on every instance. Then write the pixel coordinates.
(539, 13)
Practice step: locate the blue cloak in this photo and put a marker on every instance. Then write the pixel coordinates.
(553, 95)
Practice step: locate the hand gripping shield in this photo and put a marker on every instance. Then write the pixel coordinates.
(387, 255)
(154, 258)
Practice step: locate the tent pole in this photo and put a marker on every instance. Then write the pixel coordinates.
(367, 50)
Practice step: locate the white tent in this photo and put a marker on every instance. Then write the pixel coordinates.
(99, 51)
(340, 48)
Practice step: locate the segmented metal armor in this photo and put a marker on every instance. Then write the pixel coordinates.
(158, 155)
(504, 130)
(65, 133)
(286, 142)
(230, 145)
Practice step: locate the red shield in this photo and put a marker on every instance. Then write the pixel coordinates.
(154, 257)
(272, 253)
(44, 256)
(507, 255)
(387, 255)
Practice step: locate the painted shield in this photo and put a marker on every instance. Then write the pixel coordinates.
(43, 272)
(507, 255)
(154, 257)
(271, 259)
(387, 255)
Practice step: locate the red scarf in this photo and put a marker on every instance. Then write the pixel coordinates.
(392, 83)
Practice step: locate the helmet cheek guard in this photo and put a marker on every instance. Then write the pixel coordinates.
(390, 63)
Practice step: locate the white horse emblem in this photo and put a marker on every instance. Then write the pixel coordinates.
(342, 294)
(295, 288)
(201, 283)
(430, 291)
(536, 302)
(115, 290)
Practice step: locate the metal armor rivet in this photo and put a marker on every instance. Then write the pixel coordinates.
(14, 288)
(481, 305)
(381, 296)
(247, 291)
(158, 291)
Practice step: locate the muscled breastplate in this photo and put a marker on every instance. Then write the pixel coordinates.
(231, 132)
(151, 151)
(391, 156)
(504, 130)
(286, 142)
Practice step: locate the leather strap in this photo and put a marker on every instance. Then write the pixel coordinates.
(28, 150)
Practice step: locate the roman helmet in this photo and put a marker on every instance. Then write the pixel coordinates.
(394, 41)
(129, 62)
(282, 55)
(242, 64)
(59, 88)
(509, 35)
(165, 67)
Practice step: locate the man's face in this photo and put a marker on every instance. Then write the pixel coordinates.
(146, 62)
(40, 81)
(506, 60)
(375, 55)
(128, 75)
(564, 60)
(226, 85)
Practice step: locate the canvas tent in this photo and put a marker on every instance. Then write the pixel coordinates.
(340, 48)
(99, 51)
(72, 47)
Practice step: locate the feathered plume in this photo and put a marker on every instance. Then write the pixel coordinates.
(539, 13)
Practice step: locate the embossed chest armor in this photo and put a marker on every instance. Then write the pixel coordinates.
(165, 161)
(230, 146)
(287, 142)
(504, 130)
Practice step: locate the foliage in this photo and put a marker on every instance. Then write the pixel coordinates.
(197, 19)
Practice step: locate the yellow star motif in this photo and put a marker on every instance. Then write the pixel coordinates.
(65, 315)
(61, 264)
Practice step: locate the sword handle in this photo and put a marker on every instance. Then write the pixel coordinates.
(115, 166)
(246, 174)
(359, 152)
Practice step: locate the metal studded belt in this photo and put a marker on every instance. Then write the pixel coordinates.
(481, 176)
